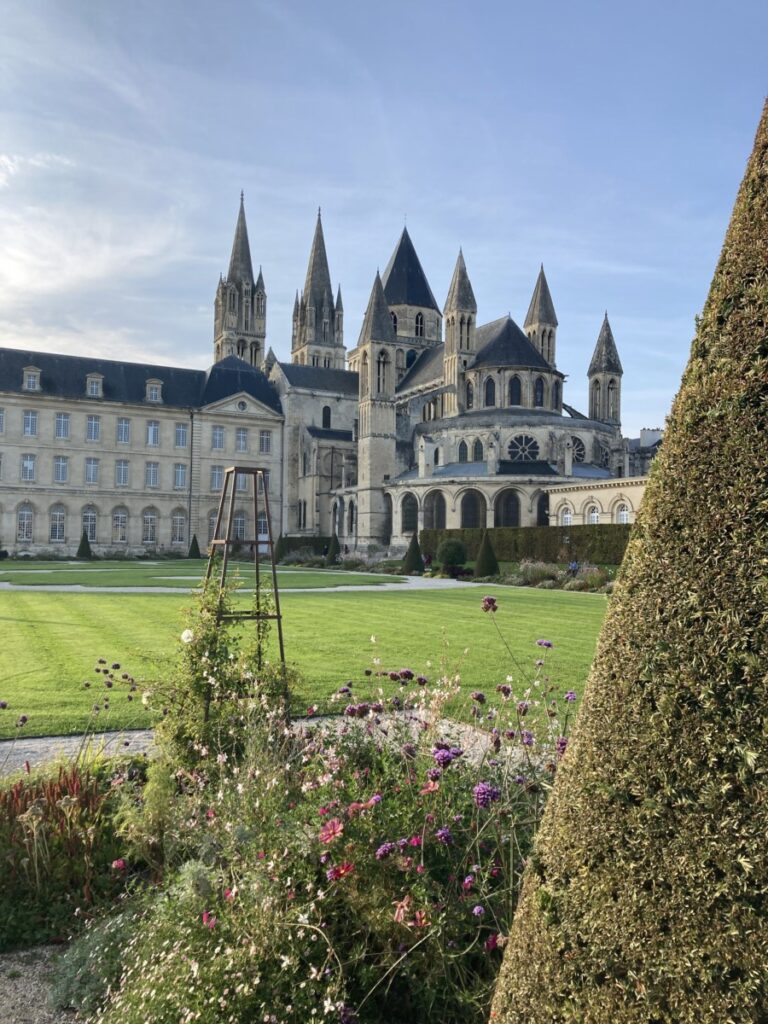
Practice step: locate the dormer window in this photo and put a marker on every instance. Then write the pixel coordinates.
(94, 385)
(31, 378)
(154, 391)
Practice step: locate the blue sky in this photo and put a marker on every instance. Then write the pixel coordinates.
(606, 140)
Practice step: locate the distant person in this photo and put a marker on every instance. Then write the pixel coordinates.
(325, 550)
(573, 567)
(427, 561)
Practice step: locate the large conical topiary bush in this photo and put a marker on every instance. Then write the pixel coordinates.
(334, 550)
(486, 563)
(413, 562)
(84, 547)
(647, 897)
(194, 548)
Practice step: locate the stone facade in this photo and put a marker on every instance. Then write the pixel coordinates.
(438, 421)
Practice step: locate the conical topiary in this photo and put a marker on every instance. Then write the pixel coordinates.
(194, 548)
(486, 563)
(334, 551)
(84, 548)
(647, 897)
(413, 562)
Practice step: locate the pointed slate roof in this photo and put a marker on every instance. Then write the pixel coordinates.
(460, 294)
(605, 358)
(317, 287)
(339, 306)
(405, 283)
(260, 282)
(240, 267)
(502, 343)
(377, 325)
(541, 309)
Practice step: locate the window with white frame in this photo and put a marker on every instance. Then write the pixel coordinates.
(28, 468)
(25, 519)
(241, 439)
(622, 515)
(263, 529)
(153, 433)
(31, 380)
(264, 481)
(566, 517)
(151, 474)
(217, 438)
(178, 528)
(30, 423)
(91, 471)
(211, 526)
(93, 428)
(217, 478)
(58, 519)
(238, 526)
(265, 442)
(121, 473)
(90, 519)
(93, 386)
(593, 515)
(180, 435)
(179, 475)
(242, 482)
(119, 526)
(154, 391)
(61, 429)
(60, 469)
(123, 430)
(149, 527)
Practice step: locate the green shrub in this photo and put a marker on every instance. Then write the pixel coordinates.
(194, 548)
(647, 896)
(534, 572)
(334, 550)
(451, 554)
(486, 563)
(413, 562)
(603, 544)
(84, 548)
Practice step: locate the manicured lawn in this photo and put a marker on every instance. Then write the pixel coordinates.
(182, 574)
(49, 643)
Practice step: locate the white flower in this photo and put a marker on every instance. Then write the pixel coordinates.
(187, 636)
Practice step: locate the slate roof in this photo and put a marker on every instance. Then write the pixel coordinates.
(321, 378)
(64, 376)
(329, 435)
(460, 294)
(426, 369)
(502, 343)
(317, 287)
(405, 283)
(541, 309)
(539, 468)
(605, 358)
(377, 324)
(240, 268)
(589, 471)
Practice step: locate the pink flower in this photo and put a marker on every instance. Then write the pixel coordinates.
(331, 830)
(420, 919)
(209, 920)
(119, 864)
(401, 908)
(229, 894)
(491, 943)
(431, 787)
(339, 871)
(414, 841)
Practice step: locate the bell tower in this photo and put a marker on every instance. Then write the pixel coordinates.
(240, 309)
(459, 316)
(604, 375)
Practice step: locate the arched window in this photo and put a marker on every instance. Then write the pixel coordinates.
(538, 393)
(260, 303)
(437, 457)
(410, 358)
(338, 523)
(490, 392)
(467, 336)
(470, 395)
(325, 330)
(238, 526)
(461, 333)
(178, 527)
(472, 510)
(381, 373)
(523, 448)
(120, 525)
(351, 520)
(364, 375)
(594, 405)
(394, 321)
(89, 522)
(579, 449)
(515, 391)
(593, 515)
(477, 451)
(434, 511)
(556, 395)
(419, 325)
(409, 514)
(622, 514)
(612, 400)
(542, 510)
(507, 509)
(463, 452)
(305, 464)
(326, 417)
(149, 526)
(566, 517)
(25, 519)
(386, 524)
(58, 519)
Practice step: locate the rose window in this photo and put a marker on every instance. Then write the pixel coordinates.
(579, 451)
(523, 448)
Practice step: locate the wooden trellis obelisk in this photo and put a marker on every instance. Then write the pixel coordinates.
(224, 540)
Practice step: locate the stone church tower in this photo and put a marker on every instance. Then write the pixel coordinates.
(240, 311)
(317, 338)
(604, 374)
(460, 314)
(540, 322)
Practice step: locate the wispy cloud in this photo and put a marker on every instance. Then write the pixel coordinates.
(13, 164)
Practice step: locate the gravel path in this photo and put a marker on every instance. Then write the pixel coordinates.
(405, 583)
(25, 978)
(38, 749)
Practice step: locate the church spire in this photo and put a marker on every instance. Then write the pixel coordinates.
(605, 358)
(317, 288)
(541, 322)
(240, 312)
(604, 375)
(460, 294)
(317, 338)
(377, 325)
(240, 267)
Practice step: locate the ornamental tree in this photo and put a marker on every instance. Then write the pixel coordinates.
(413, 561)
(646, 899)
(486, 563)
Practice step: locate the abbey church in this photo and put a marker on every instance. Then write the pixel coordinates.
(433, 419)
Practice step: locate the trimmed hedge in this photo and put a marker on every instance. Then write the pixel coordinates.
(603, 545)
(285, 545)
(646, 898)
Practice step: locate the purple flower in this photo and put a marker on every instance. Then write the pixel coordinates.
(444, 836)
(406, 673)
(468, 882)
(3, 705)
(521, 780)
(478, 911)
(385, 850)
(522, 707)
(408, 750)
(504, 689)
(560, 745)
(570, 696)
(485, 794)
(545, 643)
(433, 774)
(526, 737)
(422, 680)
(394, 676)
(442, 756)
(489, 604)
(375, 799)
(344, 689)
(478, 696)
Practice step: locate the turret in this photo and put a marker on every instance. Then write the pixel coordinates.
(316, 341)
(541, 322)
(604, 375)
(460, 314)
(240, 309)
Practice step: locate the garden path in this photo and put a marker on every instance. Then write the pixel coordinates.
(403, 583)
